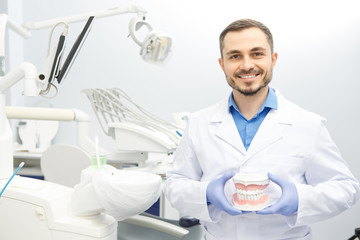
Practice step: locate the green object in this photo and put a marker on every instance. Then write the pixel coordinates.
(102, 158)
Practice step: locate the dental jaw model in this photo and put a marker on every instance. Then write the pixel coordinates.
(250, 191)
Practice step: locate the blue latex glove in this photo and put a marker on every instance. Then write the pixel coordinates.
(288, 202)
(215, 195)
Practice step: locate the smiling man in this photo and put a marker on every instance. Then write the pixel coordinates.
(248, 66)
(255, 130)
(247, 59)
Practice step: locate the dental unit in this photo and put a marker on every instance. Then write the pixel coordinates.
(250, 191)
(135, 130)
(47, 210)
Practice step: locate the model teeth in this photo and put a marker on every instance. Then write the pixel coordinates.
(250, 197)
(250, 188)
(250, 192)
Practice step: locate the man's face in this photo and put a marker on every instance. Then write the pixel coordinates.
(247, 61)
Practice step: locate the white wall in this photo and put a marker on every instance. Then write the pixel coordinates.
(317, 42)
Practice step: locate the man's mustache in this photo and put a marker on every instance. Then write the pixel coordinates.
(250, 72)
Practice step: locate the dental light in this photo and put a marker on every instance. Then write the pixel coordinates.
(155, 47)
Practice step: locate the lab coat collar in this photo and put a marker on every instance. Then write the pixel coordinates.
(268, 133)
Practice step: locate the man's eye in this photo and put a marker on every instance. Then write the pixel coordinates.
(258, 54)
(234, 56)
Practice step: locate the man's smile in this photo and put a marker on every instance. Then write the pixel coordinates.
(248, 76)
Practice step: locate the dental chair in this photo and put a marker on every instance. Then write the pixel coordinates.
(143, 226)
(62, 165)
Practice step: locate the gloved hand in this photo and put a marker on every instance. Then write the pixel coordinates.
(288, 202)
(215, 195)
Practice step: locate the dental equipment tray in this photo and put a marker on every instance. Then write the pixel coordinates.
(132, 127)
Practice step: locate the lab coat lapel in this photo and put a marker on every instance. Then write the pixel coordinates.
(270, 131)
(226, 129)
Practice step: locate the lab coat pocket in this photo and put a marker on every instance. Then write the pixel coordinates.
(275, 227)
(286, 166)
(290, 168)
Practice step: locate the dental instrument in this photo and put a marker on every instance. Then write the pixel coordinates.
(75, 50)
(12, 176)
(52, 68)
(55, 69)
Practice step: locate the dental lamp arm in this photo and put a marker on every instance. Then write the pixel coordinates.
(25, 70)
(4, 22)
(85, 16)
(28, 72)
(19, 29)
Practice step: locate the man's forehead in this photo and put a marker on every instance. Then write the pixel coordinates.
(248, 39)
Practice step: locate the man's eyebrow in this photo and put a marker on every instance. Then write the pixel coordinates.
(233, 52)
(255, 49)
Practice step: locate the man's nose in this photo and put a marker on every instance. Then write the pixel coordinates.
(247, 63)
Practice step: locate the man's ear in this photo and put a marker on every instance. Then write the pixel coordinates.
(274, 59)
(221, 63)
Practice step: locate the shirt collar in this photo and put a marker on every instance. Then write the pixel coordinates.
(270, 102)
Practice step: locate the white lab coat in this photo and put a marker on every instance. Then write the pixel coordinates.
(291, 143)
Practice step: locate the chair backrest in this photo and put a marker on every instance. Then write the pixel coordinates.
(62, 164)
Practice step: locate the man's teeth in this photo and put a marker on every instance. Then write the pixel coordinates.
(248, 76)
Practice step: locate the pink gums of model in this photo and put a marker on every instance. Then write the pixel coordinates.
(250, 195)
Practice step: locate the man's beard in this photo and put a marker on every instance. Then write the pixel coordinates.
(249, 91)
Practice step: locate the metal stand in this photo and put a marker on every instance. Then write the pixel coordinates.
(356, 235)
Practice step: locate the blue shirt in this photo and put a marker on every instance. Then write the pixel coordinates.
(248, 128)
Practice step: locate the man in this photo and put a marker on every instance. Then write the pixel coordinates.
(256, 130)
